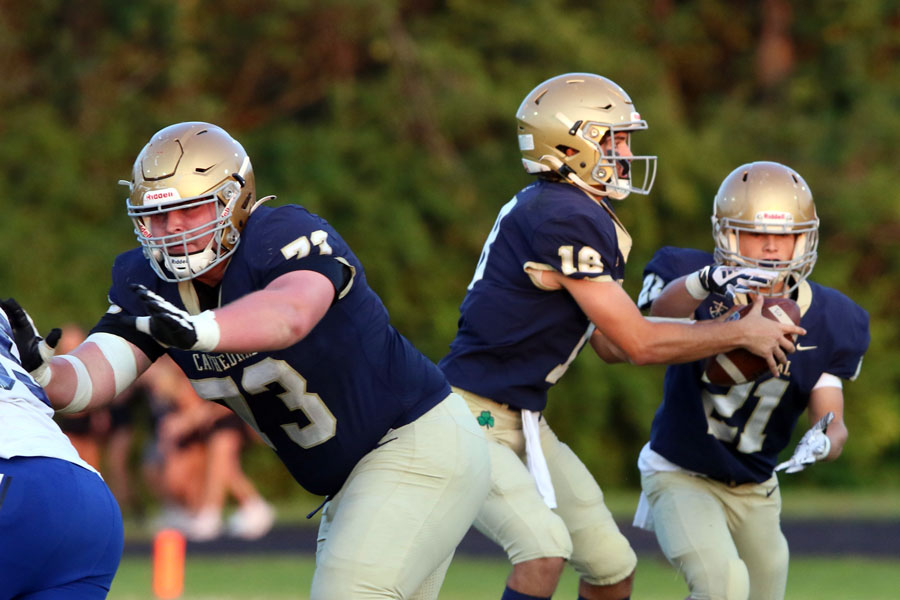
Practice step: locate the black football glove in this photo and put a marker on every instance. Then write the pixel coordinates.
(35, 352)
(172, 326)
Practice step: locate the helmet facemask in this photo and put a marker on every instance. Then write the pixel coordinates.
(791, 272)
(609, 162)
(169, 254)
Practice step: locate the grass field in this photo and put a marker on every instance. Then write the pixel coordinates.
(280, 577)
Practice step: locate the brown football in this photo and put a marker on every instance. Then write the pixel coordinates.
(740, 365)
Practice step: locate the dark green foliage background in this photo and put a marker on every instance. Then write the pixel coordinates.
(395, 120)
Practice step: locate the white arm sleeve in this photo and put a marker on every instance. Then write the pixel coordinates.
(84, 388)
(119, 356)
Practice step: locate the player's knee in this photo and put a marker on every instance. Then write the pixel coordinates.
(772, 564)
(737, 584)
(524, 541)
(726, 579)
(609, 563)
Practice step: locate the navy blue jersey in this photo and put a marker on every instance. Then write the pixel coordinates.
(325, 402)
(734, 434)
(514, 339)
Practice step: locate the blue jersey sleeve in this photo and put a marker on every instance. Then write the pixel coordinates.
(129, 268)
(290, 238)
(851, 338)
(669, 263)
(579, 248)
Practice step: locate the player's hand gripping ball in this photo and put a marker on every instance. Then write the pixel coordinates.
(741, 365)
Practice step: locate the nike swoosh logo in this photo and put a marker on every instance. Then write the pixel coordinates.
(772, 491)
(801, 347)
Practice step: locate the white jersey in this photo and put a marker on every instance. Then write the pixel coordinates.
(27, 427)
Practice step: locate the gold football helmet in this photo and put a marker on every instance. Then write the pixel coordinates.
(766, 197)
(563, 124)
(184, 166)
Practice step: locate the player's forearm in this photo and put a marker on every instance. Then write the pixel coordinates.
(824, 399)
(606, 349)
(674, 301)
(670, 342)
(83, 380)
(837, 434)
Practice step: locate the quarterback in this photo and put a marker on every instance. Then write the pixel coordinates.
(708, 473)
(60, 526)
(549, 281)
(268, 311)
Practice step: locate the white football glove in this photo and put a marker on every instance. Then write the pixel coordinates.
(813, 446)
(172, 326)
(727, 281)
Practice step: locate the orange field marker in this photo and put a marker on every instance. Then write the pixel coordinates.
(168, 564)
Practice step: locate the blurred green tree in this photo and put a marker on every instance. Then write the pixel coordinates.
(395, 120)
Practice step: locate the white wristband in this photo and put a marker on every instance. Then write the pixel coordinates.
(42, 374)
(207, 330)
(694, 287)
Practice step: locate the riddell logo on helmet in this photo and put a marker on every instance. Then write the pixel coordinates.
(158, 196)
(774, 216)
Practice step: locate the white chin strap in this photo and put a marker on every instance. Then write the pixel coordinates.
(610, 191)
(617, 194)
(188, 266)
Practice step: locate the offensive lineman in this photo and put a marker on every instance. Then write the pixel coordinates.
(60, 526)
(708, 471)
(548, 281)
(268, 310)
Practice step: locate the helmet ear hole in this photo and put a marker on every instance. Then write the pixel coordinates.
(734, 245)
(799, 246)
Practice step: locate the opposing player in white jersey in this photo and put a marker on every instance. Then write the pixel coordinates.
(549, 280)
(708, 471)
(60, 526)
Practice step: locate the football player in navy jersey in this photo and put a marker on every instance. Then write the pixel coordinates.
(60, 526)
(708, 473)
(548, 281)
(268, 310)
